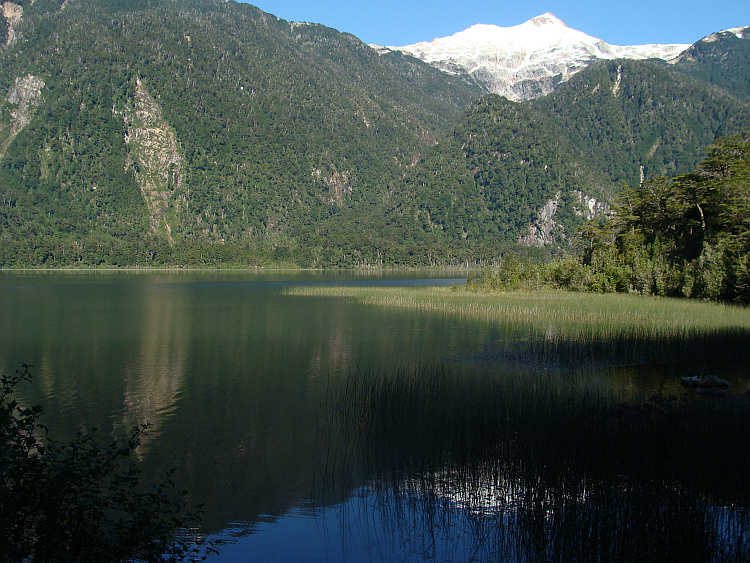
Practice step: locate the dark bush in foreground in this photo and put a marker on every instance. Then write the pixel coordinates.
(83, 501)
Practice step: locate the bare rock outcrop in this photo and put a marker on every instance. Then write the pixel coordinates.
(154, 154)
(12, 13)
(339, 185)
(546, 230)
(23, 98)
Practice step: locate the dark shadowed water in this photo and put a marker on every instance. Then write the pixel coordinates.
(278, 416)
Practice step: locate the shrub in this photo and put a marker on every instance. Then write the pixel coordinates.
(83, 501)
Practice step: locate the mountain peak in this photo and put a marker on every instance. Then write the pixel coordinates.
(527, 60)
(547, 19)
(537, 33)
(740, 32)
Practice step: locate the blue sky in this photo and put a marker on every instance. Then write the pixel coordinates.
(624, 22)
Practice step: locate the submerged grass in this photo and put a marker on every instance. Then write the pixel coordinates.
(429, 417)
(550, 473)
(537, 464)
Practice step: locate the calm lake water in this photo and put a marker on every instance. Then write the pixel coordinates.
(246, 389)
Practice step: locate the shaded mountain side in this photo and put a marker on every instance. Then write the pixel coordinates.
(721, 59)
(614, 123)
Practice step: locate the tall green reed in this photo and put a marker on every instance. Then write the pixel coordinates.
(550, 472)
(563, 330)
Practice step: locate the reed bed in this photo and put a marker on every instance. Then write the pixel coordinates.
(563, 330)
(612, 312)
(535, 463)
(540, 472)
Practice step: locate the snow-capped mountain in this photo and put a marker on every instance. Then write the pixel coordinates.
(528, 60)
(698, 51)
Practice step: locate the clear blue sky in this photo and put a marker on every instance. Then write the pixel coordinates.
(618, 22)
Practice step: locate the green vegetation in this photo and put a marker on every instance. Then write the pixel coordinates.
(280, 129)
(529, 470)
(707, 61)
(614, 123)
(572, 330)
(579, 312)
(685, 236)
(83, 501)
(262, 142)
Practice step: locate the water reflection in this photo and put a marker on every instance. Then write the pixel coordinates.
(301, 420)
(493, 469)
(155, 377)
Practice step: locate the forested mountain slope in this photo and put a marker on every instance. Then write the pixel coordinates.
(178, 123)
(568, 153)
(722, 59)
(205, 132)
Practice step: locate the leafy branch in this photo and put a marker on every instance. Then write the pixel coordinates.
(84, 501)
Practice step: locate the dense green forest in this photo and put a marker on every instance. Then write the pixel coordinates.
(721, 59)
(209, 133)
(276, 126)
(614, 123)
(686, 236)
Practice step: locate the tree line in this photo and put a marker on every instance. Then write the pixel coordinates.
(684, 236)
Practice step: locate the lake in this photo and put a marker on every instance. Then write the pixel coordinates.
(316, 428)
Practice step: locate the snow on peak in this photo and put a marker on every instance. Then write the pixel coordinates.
(546, 19)
(740, 32)
(541, 32)
(527, 60)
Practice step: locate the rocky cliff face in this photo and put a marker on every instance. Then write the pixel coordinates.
(547, 231)
(339, 185)
(12, 13)
(18, 108)
(154, 154)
